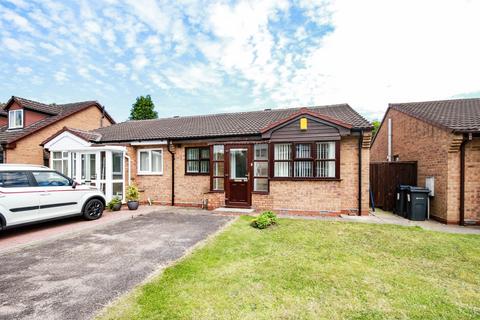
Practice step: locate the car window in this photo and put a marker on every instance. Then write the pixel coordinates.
(14, 179)
(50, 179)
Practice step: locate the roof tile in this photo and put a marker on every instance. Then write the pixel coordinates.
(217, 125)
(461, 115)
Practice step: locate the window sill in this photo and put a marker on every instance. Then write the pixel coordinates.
(305, 179)
(261, 192)
(149, 174)
(216, 191)
(197, 174)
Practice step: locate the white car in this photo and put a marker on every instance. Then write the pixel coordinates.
(30, 194)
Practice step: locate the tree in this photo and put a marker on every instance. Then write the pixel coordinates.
(143, 109)
(376, 125)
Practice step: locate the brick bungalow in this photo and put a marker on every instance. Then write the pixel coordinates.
(311, 160)
(24, 124)
(443, 137)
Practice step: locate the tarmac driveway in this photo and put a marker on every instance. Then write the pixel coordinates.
(75, 276)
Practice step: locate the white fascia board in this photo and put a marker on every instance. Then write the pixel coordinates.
(66, 141)
(149, 143)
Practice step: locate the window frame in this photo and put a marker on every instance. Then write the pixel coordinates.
(149, 171)
(11, 116)
(200, 159)
(268, 169)
(64, 158)
(313, 159)
(212, 166)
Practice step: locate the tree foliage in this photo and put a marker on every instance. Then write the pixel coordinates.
(143, 109)
(376, 126)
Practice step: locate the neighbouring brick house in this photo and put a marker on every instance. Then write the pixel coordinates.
(300, 160)
(443, 137)
(24, 124)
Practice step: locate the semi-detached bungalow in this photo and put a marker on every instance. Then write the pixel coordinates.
(311, 160)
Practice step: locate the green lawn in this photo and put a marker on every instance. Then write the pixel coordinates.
(305, 269)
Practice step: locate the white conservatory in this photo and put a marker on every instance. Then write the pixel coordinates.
(100, 166)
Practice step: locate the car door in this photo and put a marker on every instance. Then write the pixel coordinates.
(19, 199)
(58, 197)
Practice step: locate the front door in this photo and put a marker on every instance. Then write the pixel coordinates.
(238, 188)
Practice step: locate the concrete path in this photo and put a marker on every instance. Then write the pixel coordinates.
(76, 275)
(385, 217)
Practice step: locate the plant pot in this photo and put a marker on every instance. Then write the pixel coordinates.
(132, 205)
(117, 206)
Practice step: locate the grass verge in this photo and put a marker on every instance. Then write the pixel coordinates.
(311, 269)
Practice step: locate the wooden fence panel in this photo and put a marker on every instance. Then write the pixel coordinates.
(386, 176)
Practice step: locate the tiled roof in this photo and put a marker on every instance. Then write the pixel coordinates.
(460, 115)
(51, 109)
(62, 111)
(218, 125)
(85, 135)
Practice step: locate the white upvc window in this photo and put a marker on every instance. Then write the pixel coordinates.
(15, 119)
(60, 162)
(150, 161)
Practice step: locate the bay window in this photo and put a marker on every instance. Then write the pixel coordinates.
(218, 163)
(305, 160)
(15, 119)
(197, 160)
(150, 161)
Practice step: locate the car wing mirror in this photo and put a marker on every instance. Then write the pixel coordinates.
(74, 184)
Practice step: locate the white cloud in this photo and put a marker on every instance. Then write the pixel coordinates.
(140, 62)
(17, 46)
(150, 13)
(61, 76)
(19, 3)
(158, 81)
(376, 55)
(193, 77)
(374, 51)
(17, 20)
(24, 70)
(84, 72)
(121, 68)
(51, 48)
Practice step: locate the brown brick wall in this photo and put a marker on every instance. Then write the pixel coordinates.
(436, 154)
(28, 149)
(189, 189)
(472, 181)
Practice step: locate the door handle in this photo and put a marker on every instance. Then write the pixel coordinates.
(45, 194)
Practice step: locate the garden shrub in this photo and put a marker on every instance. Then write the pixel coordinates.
(264, 220)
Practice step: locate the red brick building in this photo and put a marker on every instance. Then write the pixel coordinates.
(310, 160)
(24, 124)
(443, 137)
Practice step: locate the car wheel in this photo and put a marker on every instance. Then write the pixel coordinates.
(93, 209)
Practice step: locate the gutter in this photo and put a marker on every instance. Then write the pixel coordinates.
(360, 140)
(169, 143)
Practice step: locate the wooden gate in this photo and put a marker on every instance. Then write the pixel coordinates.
(386, 176)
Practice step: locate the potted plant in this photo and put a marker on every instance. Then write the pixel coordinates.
(115, 204)
(132, 197)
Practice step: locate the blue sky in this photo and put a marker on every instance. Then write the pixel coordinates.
(197, 57)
